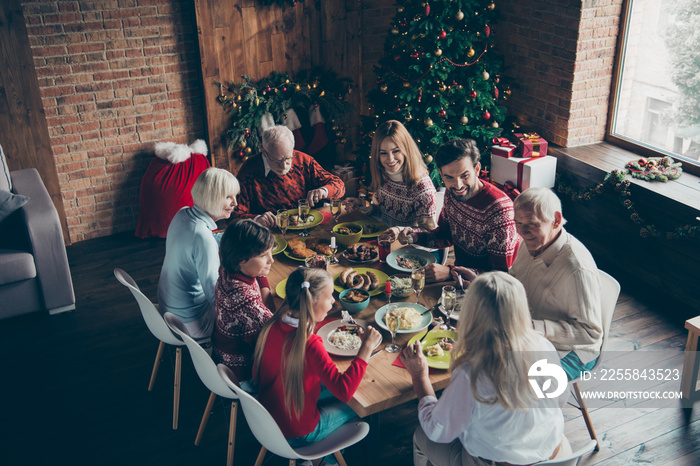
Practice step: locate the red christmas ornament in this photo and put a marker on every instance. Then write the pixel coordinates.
(284, 89)
(269, 88)
(427, 9)
(442, 113)
(473, 94)
(415, 55)
(495, 92)
(442, 34)
(642, 162)
(487, 30)
(487, 115)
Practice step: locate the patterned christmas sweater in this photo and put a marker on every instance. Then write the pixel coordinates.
(260, 193)
(481, 229)
(240, 315)
(401, 205)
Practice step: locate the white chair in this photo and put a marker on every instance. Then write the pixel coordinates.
(206, 370)
(271, 438)
(574, 458)
(609, 292)
(155, 323)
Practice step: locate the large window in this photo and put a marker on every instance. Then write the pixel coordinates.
(656, 100)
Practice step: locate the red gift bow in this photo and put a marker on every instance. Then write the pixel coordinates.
(501, 142)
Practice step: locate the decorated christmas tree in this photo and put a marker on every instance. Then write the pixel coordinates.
(440, 77)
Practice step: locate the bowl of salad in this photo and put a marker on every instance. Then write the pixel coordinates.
(347, 234)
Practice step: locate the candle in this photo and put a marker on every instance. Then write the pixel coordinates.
(332, 241)
(387, 287)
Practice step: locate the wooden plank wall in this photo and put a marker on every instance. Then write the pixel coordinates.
(244, 38)
(25, 133)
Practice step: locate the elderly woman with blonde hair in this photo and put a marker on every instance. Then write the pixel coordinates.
(191, 265)
(404, 194)
(489, 413)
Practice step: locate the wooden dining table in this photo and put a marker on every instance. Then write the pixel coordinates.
(384, 385)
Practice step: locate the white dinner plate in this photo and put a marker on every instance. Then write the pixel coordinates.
(325, 331)
(427, 317)
(425, 258)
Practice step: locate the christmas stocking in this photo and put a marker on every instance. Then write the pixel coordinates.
(266, 122)
(291, 121)
(320, 140)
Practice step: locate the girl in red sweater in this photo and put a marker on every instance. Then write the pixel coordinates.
(299, 383)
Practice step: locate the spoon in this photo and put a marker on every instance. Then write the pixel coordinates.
(461, 282)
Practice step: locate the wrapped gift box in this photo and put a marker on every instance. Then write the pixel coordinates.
(531, 145)
(504, 151)
(524, 172)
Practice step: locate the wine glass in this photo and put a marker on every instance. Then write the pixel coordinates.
(449, 301)
(304, 210)
(283, 221)
(393, 322)
(418, 281)
(336, 209)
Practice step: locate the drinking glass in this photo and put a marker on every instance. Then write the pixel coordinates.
(336, 209)
(393, 324)
(283, 221)
(449, 301)
(384, 241)
(418, 280)
(408, 239)
(304, 210)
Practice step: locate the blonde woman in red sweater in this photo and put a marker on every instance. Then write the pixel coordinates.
(299, 383)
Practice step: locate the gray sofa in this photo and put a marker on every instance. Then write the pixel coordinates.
(34, 272)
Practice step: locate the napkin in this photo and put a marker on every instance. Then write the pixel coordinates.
(397, 362)
(326, 216)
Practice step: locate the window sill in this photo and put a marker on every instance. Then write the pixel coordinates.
(598, 159)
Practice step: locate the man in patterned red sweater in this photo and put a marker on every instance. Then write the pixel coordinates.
(477, 218)
(279, 177)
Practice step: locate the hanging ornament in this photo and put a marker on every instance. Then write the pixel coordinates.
(442, 88)
(394, 31)
(486, 115)
(242, 144)
(459, 16)
(400, 9)
(492, 6)
(442, 34)
(494, 124)
(464, 120)
(487, 30)
(428, 122)
(428, 158)
(427, 9)
(442, 113)
(384, 88)
(495, 92)
(485, 75)
(438, 52)
(415, 55)
(473, 94)
(247, 150)
(239, 153)
(406, 84)
(471, 52)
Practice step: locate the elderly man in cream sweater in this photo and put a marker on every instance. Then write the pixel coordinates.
(561, 281)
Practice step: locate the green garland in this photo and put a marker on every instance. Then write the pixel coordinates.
(655, 169)
(616, 181)
(249, 100)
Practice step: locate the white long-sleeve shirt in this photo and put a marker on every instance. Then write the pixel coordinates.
(519, 436)
(563, 292)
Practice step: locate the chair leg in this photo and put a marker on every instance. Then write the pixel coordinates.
(156, 365)
(340, 459)
(261, 456)
(205, 418)
(292, 462)
(586, 417)
(232, 433)
(176, 389)
(689, 381)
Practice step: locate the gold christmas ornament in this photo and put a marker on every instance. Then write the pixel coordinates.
(384, 88)
(428, 122)
(459, 16)
(242, 144)
(438, 52)
(494, 124)
(247, 150)
(298, 87)
(394, 30)
(464, 120)
(406, 84)
(343, 141)
(485, 75)
(492, 6)
(400, 9)
(428, 158)
(471, 52)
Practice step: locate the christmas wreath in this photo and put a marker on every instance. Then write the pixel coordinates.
(654, 168)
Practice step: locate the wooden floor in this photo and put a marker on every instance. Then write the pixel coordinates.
(73, 387)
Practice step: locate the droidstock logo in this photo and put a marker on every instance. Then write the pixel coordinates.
(544, 370)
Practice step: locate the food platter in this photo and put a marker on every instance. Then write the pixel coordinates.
(424, 257)
(288, 250)
(281, 290)
(328, 329)
(360, 270)
(375, 228)
(426, 318)
(318, 218)
(435, 335)
(280, 245)
(348, 252)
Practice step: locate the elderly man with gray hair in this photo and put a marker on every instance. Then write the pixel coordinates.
(561, 280)
(280, 177)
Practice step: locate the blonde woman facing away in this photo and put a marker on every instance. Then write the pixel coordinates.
(404, 194)
(298, 382)
(191, 265)
(489, 412)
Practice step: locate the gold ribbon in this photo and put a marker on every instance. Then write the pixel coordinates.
(534, 138)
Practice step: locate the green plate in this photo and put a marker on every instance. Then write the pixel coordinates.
(280, 245)
(280, 289)
(380, 275)
(437, 362)
(379, 227)
(318, 218)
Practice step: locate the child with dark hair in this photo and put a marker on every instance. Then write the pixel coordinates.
(243, 300)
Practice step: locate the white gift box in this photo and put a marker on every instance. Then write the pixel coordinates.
(524, 173)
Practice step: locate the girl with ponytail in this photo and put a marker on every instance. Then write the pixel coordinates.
(299, 383)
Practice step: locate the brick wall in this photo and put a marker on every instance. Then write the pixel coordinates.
(116, 76)
(560, 56)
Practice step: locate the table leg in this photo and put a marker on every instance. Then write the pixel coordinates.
(373, 452)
